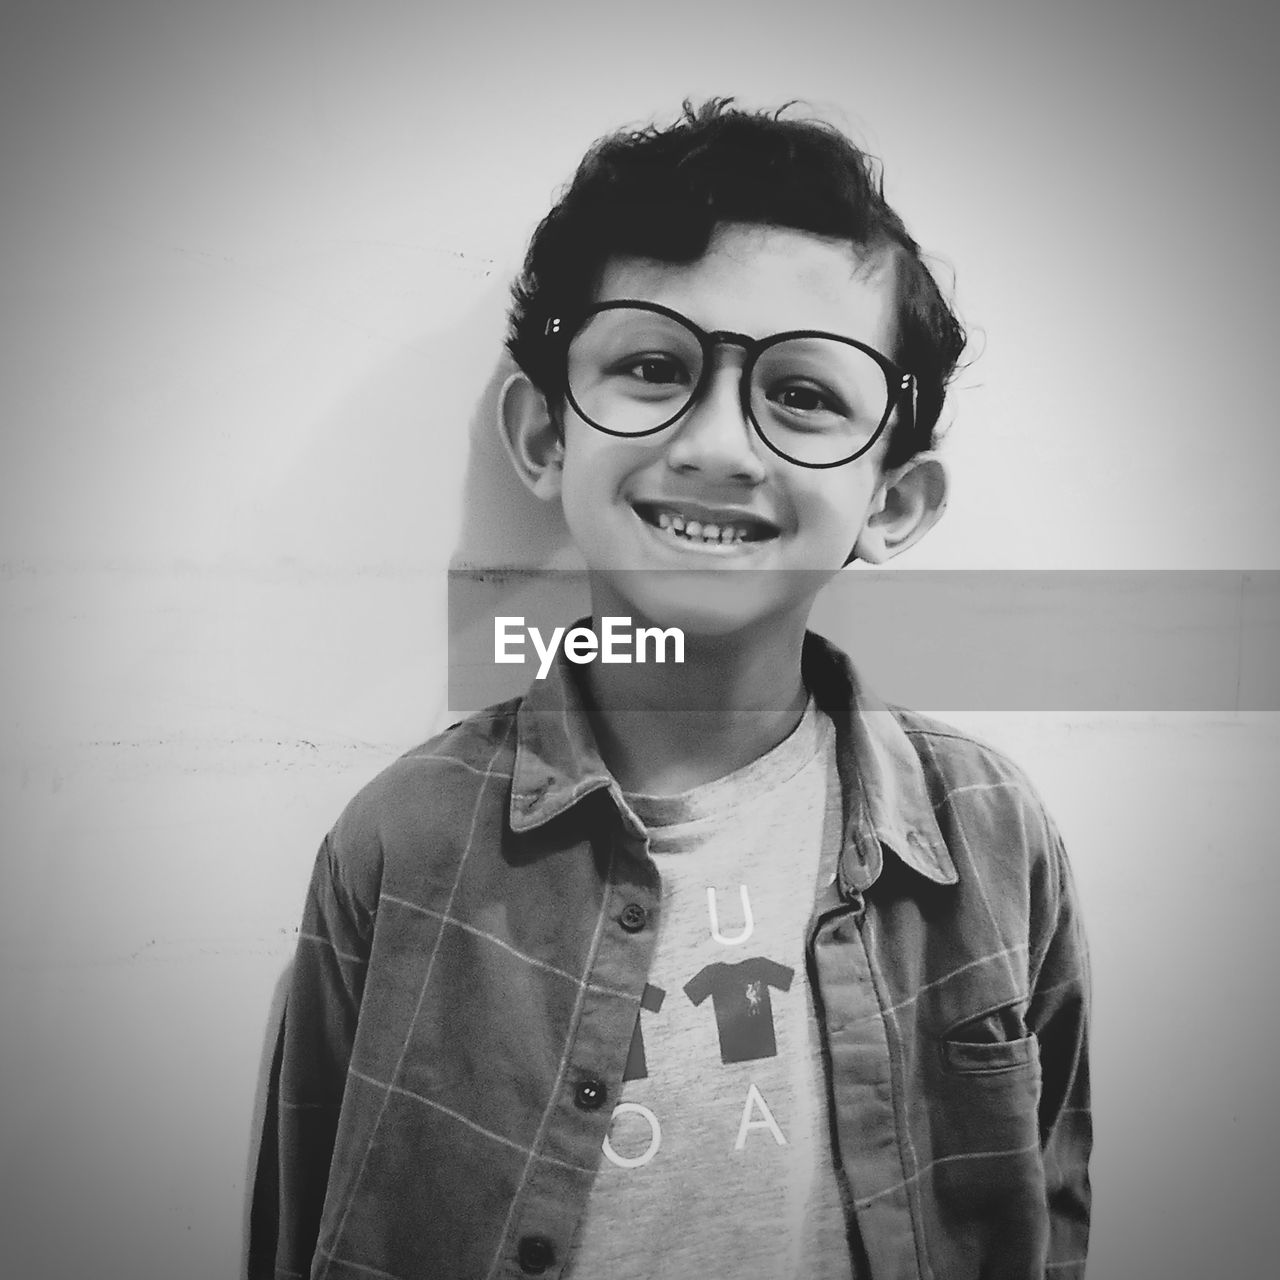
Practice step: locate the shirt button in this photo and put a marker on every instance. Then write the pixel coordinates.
(536, 1254)
(633, 917)
(589, 1095)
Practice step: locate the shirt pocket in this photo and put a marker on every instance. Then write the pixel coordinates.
(986, 1179)
(985, 1099)
(996, 1041)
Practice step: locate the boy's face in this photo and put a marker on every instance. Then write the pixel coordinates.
(793, 527)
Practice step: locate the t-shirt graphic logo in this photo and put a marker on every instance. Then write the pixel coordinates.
(637, 1068)
(744, 1008)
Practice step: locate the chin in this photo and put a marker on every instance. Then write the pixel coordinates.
(702, 605)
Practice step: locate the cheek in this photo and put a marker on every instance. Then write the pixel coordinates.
(590, 484)
(835, 512)
(575, 494)
(599, 469)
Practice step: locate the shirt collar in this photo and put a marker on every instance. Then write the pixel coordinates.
(886, 797)
(557, 762)
(886, 800)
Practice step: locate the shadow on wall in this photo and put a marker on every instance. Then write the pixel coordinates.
(268, 1066)
(398, 465)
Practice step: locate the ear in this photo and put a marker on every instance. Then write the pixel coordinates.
(907, 504)
(532, 438)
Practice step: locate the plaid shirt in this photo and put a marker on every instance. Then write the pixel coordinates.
(469, 973)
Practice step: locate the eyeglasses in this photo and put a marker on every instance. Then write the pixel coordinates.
(817, 399)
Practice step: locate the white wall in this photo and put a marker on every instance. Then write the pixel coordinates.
(253, 262)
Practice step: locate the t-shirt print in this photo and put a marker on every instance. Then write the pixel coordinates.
(637, 1067)
(743, 1006)
(716, 1160)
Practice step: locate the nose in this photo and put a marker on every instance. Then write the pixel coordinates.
(714, 438)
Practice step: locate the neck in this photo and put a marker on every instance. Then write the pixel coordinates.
(666, 728)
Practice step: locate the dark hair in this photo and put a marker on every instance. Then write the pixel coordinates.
(661, 192)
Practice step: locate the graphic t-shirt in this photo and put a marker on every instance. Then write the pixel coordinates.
(744, 1012)
(718, 1159)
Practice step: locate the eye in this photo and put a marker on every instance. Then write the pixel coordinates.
(657, 369)
(805, 398)
(807, 402)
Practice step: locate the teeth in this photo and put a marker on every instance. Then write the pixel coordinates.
(703, 531)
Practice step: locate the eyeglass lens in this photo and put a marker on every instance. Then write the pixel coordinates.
(815, 400)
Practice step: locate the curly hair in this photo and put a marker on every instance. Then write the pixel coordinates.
(660, 193)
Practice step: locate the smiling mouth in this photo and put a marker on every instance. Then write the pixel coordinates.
(735, 532)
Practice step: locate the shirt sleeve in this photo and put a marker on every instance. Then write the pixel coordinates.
(308, 1074)
(775, 974)
(701, 985)
(1059, 1017)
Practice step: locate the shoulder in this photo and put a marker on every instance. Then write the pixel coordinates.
(924, 769)
(956, 762)
(991, 816)
(427, 801)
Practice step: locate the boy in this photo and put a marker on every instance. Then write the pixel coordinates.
(717, 969)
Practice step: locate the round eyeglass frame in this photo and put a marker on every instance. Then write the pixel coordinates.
(899, 386)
